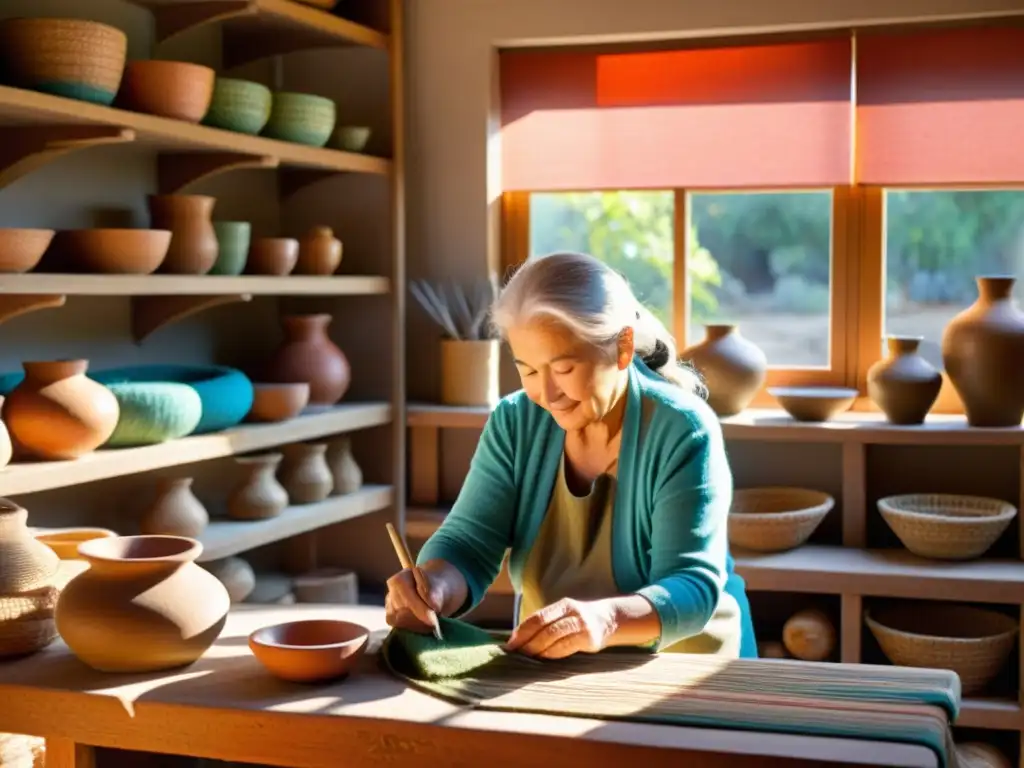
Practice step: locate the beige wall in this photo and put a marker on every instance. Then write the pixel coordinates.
(450, 44)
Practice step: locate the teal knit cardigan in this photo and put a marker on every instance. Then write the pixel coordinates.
(669, 530)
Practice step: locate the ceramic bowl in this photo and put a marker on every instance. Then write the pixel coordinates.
(175, 89)
(114, 251)
(278, 402)
(272, 256)
(352, 138)
(814, 403)
(65, 541)
(301, 118)
(22, 249)
(309, 651)
(239, 105)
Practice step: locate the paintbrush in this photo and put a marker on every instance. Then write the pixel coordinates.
(421, 582)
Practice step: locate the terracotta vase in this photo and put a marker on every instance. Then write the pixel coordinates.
(258, 495)
(236, 575)
(305, 474)
(904, 385)
(319, 252)
(348, 477)
(308, 354)
(143, 605)
(57, 412)
(175, 511)
(28, 591)
(194, 245)
(983, 352)
(733, 368)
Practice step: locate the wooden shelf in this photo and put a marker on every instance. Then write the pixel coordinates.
(193, 285)
(104, 464)
(257, 29)
(223, 538)
(21, 107)
(881, 573)
(991, 714)
(864, 428)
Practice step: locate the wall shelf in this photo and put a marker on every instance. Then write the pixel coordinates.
(223, 538)
(105, 464)
(193, 285)
(29, 108)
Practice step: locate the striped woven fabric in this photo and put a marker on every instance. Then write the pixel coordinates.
(881, 703)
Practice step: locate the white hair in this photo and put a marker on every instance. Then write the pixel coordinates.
(595, 303)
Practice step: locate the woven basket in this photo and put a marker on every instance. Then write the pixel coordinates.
(776, 519)
(68, 57)
(973, 642)
(26, 621)
(945, 526)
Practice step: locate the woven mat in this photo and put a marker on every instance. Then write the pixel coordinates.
(880, 703)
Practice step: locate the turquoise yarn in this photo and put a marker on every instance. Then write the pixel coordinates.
(154, 412)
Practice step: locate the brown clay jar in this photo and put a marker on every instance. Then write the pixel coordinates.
(175, 511)
(57, 412)
(319, 252)
(258, 494)
(194, 245)
(143, 605)
(305, 474)
(28, 592)
(308, 354)
(732, 367)
(983, 352)
(903, 384)
(348, 477)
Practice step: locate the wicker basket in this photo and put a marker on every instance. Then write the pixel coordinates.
(973, 642)
(776, 519)
(945, 526)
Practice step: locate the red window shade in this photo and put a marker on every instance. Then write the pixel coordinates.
(756, 116)
(941, 107)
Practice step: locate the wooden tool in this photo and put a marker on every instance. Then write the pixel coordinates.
(421, 583)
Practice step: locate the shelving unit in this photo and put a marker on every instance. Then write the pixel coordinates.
(359, 195)
(848, 570)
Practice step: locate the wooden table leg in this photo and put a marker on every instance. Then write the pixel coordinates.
(64, 753)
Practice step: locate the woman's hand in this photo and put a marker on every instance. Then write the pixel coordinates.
(406, 608)
(564, 628)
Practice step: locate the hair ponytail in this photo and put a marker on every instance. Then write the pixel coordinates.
(596, 303)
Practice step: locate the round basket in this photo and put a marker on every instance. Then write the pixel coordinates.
(776, 519)
(973, 642)
(945, 526)
(27, 621)
(153, 412)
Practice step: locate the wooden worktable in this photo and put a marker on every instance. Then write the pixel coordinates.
(226, 707)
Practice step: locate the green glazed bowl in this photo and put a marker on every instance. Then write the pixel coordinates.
(301, 118)
(233, 238)
(239, 105)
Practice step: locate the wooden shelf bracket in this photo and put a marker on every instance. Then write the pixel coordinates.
(174, 18)
(293, 180)
(12, 305)
(27, 148)
(151, 313)
(178, 170)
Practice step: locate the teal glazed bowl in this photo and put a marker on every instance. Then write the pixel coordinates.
(74, 58)
(242, 106)
(301, 118)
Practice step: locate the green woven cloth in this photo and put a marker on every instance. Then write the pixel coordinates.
(879, 703)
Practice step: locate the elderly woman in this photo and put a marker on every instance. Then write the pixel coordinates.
(606, 477)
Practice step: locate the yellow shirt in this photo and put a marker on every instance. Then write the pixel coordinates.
(572, 557)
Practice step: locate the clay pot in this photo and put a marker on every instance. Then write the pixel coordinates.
(308, 354)
(65, 541)
(28, 592)
(983, 352)
(175, 511)
(305, 474)
(236, 575)
(258, 495)
(113, 251)
(174, 89)
(143, 605)
(732, 367)
(272, 256)
(194, 245)
(348, 477)
(278, 402)
(319, 252)
(56, 412)
(904, 385)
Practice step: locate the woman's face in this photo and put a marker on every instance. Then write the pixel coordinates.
(576, 383)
